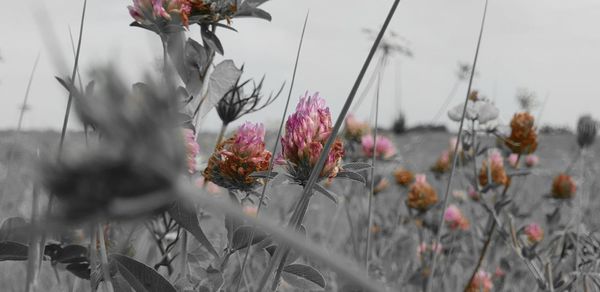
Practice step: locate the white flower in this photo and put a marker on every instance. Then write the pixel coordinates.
(480, 110)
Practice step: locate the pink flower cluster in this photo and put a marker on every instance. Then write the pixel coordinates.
(481, 282)
(383, 148)
(142, 9)
(424, 248)
(534, 233)
(355, 129)
(192, 149)
(306, 132)
(249, 142)
(455, 218)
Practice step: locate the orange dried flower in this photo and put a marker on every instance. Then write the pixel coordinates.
(563, 187)
(523, 138)
(497, 170)
(404, 177)
(422, 195)
(442, 165)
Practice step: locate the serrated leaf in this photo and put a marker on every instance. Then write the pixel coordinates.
(303, 277)
(356, 166)
(351, 175)
(187, 218)
(139, 276)
(13, 251)
(242, 236)
(327, 193)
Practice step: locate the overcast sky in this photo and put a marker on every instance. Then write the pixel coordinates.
(548, 46)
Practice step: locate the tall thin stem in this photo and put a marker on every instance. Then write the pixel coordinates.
(374, 160)
(314, 175)
(33, 250)
(279, 131)
(455, 155)
(104, 259)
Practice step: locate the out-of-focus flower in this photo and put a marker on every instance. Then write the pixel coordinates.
(381, 185)
(477, 110)
(192, 149)
(211, 187)
(236, 158)
(482, 282)
(499, 273)
(532, 160)
(523, 138)
(384, 149)
(250, 210)
(452, 145)
(306, 133)
(442, 165)
(355, 129)
(147, 12)
(375, 228)
(473, 193)
(534, 233)
(587, 129)
(460, 195)
(455, 218)
(404, 177)
(513, 160)
(497, 170)
(421, 195)
(563, 187)
(424, 248)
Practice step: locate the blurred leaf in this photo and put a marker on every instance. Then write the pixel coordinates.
(325, 192)
(71, 254)
(140, 277)
(351, 175)
(81, 270)
(242, 236)
(13, 251)
(186, 216)
(15, 229)
(356, 166)
(303, 277)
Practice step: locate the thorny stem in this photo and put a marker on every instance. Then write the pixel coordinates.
(455, 155)
(314, 175)
(374, 159)
(271, 162)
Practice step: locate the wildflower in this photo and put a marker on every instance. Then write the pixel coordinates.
(381, 185)
(355, 129)
(424, 248)
(499, 273)
(250, 210)
(459, 194)
(477, 110)
(375, 228)
(531, 160)
(563, 187)
(404, 177)
(306, 133)
(587, 130)
(523, 138)
(473, 193)
(513, 160)
(455, 218)
(147, 12)
(421, 195)
(482, 282)
(534, 233)
(497, 170)
(236, 158)
(383, 149)
(442, 165)
(192, 149)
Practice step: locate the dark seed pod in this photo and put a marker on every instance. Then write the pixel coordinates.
(587, 129)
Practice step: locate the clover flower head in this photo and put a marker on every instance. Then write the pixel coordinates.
(404, 177)
(563, 187)
(482, 282)
(421, 195)
(534, 233)
(455, 218)
(498, 173)
(532, 160)
(355, 129)
(523, 137)
(383, 149)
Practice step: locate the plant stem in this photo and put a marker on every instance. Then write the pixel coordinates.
(455, 156)
(33, 244)
(374, 160)
(221, 134)
(104, 259)
(482, 254)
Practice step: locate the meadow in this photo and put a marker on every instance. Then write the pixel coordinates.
(143, 198)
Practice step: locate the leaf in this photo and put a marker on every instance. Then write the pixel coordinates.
(187, 218)
(72, 254)
(13, 251)
(303, 277)
(15, 229)
(81, 270)
(328, 194)
(139, 276)
(249, 9)
(211, 40)
(222, 79)
(264, 174)
(356, 166)
(351, 175)
(242, 236)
